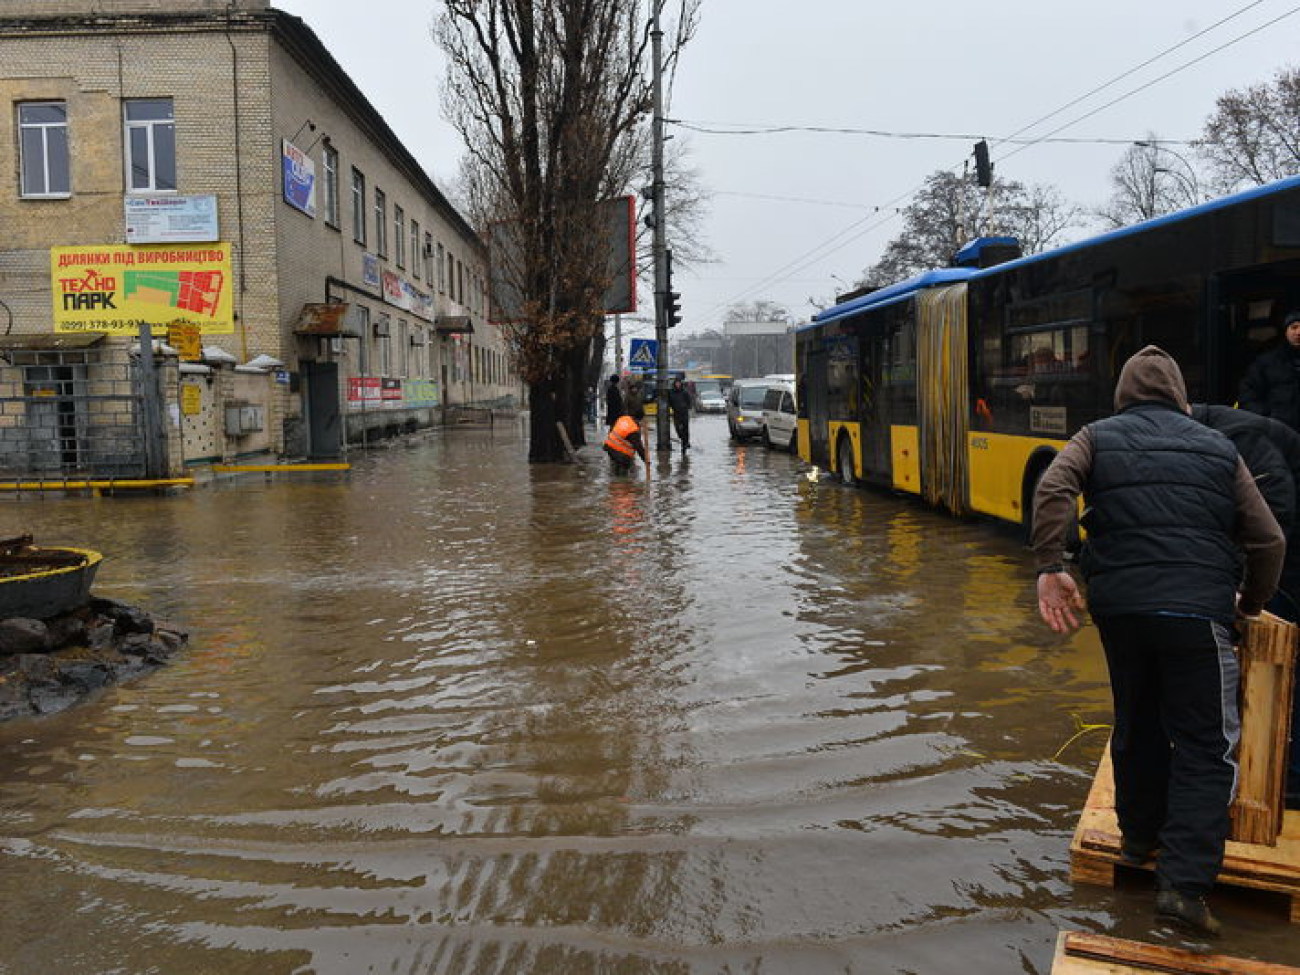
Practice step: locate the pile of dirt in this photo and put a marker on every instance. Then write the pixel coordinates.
(49, 665)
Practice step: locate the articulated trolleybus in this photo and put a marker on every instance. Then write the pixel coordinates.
(960, 385)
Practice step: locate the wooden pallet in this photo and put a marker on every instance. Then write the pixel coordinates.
(1096, 954)
(1094, 851)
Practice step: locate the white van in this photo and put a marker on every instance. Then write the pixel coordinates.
(745, 408)
(780, 424)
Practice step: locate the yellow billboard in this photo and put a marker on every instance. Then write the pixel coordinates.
(116, 287)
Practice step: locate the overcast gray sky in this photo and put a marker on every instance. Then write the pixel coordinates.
(796, 215)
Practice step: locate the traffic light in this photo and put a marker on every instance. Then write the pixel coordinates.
(673, 309)
(672, 299)
(648, 194)
(983, 168)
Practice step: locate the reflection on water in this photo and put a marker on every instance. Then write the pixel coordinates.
(456, 714)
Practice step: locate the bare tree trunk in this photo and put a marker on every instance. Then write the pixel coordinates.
(544, 444)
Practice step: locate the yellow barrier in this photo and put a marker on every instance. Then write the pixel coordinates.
(96, 485)
(276, 468)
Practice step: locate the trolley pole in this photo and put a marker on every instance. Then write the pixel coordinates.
(663, 439)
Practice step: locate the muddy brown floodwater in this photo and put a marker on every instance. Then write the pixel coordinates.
(457, 714)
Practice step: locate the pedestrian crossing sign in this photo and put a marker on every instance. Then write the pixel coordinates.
(644, 354)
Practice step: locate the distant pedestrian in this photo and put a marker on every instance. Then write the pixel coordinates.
(613, 401)
(624, 443)
(679, 403)
(634, 396)
(1171, 511)
(1272, 383)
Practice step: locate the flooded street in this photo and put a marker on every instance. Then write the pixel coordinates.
(453, 713)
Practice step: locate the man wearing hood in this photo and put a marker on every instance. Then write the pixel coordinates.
(1171, 511)
(1272, 383)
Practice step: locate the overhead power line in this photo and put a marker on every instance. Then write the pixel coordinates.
(856, 230)
(1168, 74)
(1131, 71)
(885, 134)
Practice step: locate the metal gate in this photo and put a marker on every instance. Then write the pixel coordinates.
(71, 411)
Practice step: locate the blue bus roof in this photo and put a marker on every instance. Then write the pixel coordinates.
(932, 279)
(893, 292)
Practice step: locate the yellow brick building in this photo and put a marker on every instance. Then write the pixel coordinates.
(195, 162)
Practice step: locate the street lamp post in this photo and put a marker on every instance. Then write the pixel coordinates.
(660, 238)
(1186, 177)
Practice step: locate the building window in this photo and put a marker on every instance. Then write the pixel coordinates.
(428, 258)
(399, 235)
(330, 164)
(415, 249)
(43, 148)
(451, 277)
(150, 144)
(381, 222)
(442, 283)
(400, 364)
(358, 207)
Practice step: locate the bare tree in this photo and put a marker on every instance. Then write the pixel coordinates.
(950, 210)
(1149, 181)
(1253, 135)
(759, 310)
(551, 98)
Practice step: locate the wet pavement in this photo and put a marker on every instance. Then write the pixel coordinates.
(453, 713)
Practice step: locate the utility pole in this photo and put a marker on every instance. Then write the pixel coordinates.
(618, 344)
(663, 439)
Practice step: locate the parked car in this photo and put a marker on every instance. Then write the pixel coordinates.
(745, 408)
(780, 426)
(709, 397)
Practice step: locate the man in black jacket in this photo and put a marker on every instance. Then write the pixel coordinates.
(679, 403)
(613, 402)
(1272, 383)
(1271, 451)
(1171, 510)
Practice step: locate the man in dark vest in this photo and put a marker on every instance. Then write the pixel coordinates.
(1171, 511)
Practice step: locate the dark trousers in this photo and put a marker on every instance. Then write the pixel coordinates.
(682, 424)
(620, 462)
(1174, 682)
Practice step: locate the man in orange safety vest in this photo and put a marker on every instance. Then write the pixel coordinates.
(624, 442)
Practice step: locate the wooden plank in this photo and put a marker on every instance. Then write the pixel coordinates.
(568, 444)
(1267, 657)
(1078, 952)
(1094, 849)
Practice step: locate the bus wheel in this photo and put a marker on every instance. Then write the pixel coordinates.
(1073, 537)
(846, 471)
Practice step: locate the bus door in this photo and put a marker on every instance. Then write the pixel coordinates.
(814, 391)
(1244, 313)
(876, 455)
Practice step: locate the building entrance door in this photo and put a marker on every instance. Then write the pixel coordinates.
(324, 419)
